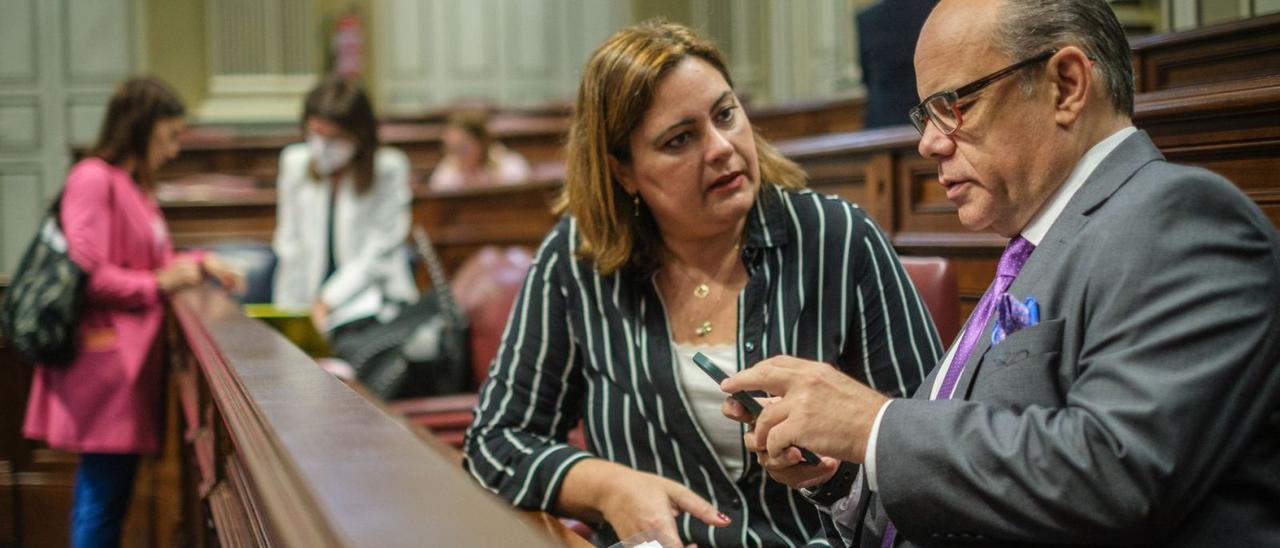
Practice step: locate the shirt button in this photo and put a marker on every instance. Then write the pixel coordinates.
(751, 347)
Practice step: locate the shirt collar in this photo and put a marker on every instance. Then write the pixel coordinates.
(766, 223)
(1040, 224)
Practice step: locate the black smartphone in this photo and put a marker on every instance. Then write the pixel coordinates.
(749, 403)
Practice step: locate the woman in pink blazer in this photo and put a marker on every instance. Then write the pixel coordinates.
(105, 405)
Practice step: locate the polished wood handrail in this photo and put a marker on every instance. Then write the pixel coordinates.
(324, 466)
(1186, 38)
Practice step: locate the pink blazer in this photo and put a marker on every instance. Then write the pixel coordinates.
(108, 399)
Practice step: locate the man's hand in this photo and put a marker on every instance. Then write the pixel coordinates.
(791, 471)
(817, 407)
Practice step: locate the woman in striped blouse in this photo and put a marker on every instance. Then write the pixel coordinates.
(683, 232)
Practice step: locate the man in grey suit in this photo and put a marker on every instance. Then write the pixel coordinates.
(1132, 391)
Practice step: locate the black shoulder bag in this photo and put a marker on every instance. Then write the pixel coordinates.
(424, 351)
(41, 308)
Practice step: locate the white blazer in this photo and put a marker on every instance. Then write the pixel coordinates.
(372, 276)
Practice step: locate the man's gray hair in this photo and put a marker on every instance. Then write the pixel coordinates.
(1028, 27)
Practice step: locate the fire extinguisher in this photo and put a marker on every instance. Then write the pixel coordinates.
(348, 46)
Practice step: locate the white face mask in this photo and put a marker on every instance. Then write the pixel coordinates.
(329, 154)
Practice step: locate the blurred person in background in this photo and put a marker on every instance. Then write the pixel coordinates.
(343, 215)
(106, 404)
(473, 158)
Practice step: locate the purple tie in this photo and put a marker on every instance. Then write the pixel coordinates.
(1011, 261)
(1015, 255)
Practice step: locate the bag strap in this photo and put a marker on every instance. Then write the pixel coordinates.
(435, 270)
(55, 208)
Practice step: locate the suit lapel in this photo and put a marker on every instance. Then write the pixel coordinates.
(1112, 173)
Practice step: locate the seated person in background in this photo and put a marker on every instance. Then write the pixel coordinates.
(472, 158)
(343, 215)
(1118, 383)
(684, 232)
(887, 34)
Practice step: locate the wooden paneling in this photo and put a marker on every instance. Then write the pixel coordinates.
(35, 483)
(226, 150)
(1232, 128)
(803, 119)
(462, 221)
(1220, 53)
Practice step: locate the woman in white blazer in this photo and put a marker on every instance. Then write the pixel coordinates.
(343, 216)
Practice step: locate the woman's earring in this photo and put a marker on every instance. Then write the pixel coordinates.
(635, 203)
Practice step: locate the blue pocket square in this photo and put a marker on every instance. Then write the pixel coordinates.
(1012, 316)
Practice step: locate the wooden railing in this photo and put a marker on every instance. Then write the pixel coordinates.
(1221, 53)
(284, 454)
(264, 449)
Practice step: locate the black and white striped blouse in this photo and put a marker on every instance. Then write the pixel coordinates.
(824, 284)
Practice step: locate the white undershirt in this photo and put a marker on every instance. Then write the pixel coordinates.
(704, 398)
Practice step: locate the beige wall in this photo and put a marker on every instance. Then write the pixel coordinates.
(175, 46)
(676, 11)
(176, 42)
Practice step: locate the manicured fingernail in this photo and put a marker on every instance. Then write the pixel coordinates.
(723, 517)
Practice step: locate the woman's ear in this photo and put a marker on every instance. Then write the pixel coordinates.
(622, 172)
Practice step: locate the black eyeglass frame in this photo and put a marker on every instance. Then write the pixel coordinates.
(920, 114)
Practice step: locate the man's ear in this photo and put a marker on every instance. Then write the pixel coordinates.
(622, 172)
(1071, 73)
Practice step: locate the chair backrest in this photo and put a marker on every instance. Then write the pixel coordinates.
(485, 287)
(255, 260)
(935, 281)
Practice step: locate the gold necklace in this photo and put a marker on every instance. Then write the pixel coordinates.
(703, 289)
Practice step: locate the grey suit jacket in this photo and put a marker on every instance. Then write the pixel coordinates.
(1144, 408)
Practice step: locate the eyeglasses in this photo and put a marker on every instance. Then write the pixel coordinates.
(941, 109)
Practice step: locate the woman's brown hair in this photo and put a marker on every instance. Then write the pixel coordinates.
(476, 124)
(342, 102)
(618, 85)
(132, 113)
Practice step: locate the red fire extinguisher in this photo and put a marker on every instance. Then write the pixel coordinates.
(348, 46)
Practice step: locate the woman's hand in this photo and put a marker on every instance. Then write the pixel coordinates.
(179, 274)
(790, 469)
(633, 501)
(320, 315)
(229, 278)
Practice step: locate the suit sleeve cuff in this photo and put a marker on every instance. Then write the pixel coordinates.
(869, 460)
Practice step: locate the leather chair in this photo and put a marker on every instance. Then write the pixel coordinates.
(935, 281)
(485, 287)
(255, 260)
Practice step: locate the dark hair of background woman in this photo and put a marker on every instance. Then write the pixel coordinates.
(135, 107)
(342, 102)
